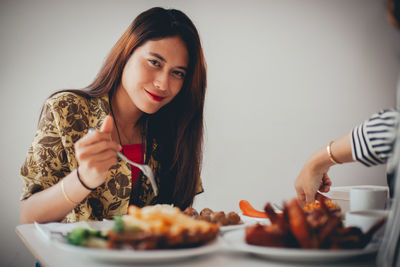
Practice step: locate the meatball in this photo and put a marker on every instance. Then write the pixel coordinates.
(233, 218)
(206, 211)
(191, 212)
(219, 218)
(205, 217)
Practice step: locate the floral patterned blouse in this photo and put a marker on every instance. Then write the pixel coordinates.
(66, 117)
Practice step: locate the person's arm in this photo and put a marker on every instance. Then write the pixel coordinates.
(370, 143)
(53, 203)
(314, 175)
(95, 153)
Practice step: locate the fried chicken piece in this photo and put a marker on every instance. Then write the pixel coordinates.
(299, 226)
(317, 218)
(265, 235)
(272, 215)
(347, 238)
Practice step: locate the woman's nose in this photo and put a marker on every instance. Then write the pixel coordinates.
(161, 81)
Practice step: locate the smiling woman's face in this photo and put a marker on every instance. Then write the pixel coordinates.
(155, 72)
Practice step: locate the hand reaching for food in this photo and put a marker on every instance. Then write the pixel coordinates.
(311, 180)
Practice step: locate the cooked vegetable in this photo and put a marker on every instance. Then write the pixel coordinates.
(81, 236)
(118, 224)
(248, 210)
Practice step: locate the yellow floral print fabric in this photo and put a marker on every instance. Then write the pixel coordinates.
(65, 119)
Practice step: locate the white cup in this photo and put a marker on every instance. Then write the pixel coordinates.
(367, 198)
(364, 219)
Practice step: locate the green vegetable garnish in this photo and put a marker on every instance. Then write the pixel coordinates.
(118, 224)
(80, 236)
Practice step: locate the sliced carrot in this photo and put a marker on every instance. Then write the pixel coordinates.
(248, 210)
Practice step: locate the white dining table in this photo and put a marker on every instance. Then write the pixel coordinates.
(48, 255)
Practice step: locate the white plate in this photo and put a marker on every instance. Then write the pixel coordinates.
(252, 220)
(237, 242)
(247, 221)
(139, 256)
(121, 255)
(227, 228)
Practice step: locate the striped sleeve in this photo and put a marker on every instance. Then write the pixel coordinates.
(372, 141)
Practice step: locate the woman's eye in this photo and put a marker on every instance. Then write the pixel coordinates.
(179, 74)
(154, 62)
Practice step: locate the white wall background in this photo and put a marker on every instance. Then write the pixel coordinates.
(284, 78)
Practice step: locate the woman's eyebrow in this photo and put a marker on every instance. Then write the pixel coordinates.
(164, 60)
(158, 56)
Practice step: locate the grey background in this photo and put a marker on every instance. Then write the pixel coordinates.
(284, 78)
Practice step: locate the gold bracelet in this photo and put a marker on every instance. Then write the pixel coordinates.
(331, 158)
(65, 194)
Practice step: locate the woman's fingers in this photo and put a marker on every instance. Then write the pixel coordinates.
(301, 196)
(96, 157)
(304, 185)
(108, 125)
(325, 188)
(100, 164)
(96, 153)
(93, 138)
(321, 184)
(320, 197)
(325, 183)
(310, 195)
(95, 167)
(98, 148)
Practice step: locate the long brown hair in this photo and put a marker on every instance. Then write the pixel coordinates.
(393, 12)
(177, 127)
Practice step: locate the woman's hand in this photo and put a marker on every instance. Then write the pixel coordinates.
(314, 175)
(96, 153)
(313, 178)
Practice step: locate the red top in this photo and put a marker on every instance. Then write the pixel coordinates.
(134, 153)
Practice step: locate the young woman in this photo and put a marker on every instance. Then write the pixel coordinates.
(147, 102)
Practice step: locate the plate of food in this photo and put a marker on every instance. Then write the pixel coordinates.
(236, 241)
(156, 233)
(313, 233)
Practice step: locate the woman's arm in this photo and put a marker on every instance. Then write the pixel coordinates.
(370, 143)
(54, 203)
(314, 175)
(95, 154)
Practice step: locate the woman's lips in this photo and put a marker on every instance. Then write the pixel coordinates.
(155, 97)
